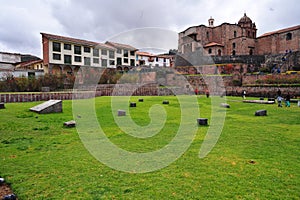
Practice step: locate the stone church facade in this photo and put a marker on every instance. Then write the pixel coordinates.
(237, 39)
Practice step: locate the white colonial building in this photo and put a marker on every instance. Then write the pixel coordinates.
(151, 60)
(66, 55)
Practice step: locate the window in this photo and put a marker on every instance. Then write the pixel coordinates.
(233, 45)
(207, 34)
(87, 49)
(77, 58)
(125, 60)
(56, 46)
(234, 34)
(111, 62)
(111, 54)
(104, 62)
(125, 54)
(77, 50)
(248, 33)
(119, 51)
(132, 62)
(251, 52)
(119, 61)
(219, 52)
(209, 51)
(67, 46)
(104, 52)
(68, 59)
(96, 52)
(233, 52)
(56, 56)
(87, 61)
(156, 59)
(132, 53)
(96, 60)
(165, 60)
(288, 36)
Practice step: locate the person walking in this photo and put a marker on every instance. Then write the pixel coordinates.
(244, 94)
(279, 101)
(287, 100)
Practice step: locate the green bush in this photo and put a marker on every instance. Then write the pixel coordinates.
(32, 84)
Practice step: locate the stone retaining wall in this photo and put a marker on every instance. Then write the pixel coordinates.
(127, 90)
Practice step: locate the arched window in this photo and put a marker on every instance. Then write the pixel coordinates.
(248, 33)
(207, 35)
(233, 45)
(251, 52)
(219, 52)
(288, 36)
(209, 51)
(233, 52)
(234, 34)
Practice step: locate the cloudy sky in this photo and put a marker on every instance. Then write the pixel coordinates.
(21, 21)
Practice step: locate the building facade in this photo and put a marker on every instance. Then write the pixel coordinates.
(9, 60)
(237, 39)
(65, 55)
(150, 60)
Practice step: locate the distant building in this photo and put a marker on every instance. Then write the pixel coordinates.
(9, 60)
(280, 41)
(31, 65)
(20, 65)
(237, 39)
(66, 55)
(151, 60)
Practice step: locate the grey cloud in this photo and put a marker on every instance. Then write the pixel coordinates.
(98, 20)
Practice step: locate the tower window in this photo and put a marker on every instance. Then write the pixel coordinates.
(234, 34)
(289, 36)
(251, 52)
(233, 45)
(207, 35)
(209, 51)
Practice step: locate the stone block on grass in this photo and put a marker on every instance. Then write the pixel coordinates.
(2, 106)
(165, 102)
(261, 113)
(51, 106)
(225, 105)
(132, 104)
(121, 113)
(70, 124)
(202, 121)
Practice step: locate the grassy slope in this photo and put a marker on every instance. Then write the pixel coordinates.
(44, 160)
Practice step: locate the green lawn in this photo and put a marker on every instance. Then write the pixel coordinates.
(254, 158)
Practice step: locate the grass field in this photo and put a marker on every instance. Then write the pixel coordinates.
(255, 157)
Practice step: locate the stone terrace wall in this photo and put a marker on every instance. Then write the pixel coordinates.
(28, 97)
(263, 91)
(108, 90)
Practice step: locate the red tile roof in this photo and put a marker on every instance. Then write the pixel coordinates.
(28, 63)
(281, 31)
(121, 46)
(213, 44)
(75, 41)
(141, 53)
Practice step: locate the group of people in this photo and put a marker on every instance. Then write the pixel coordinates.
(206, 92)
(280, 99)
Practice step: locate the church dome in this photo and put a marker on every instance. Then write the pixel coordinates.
(245, 20)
